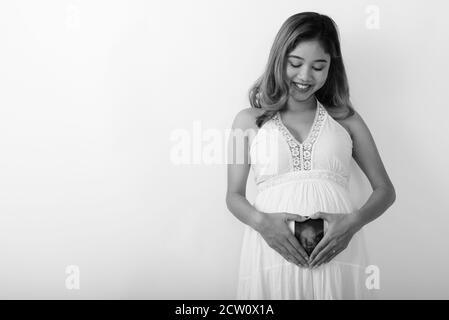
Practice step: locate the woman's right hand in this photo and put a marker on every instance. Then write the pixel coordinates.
(273, 227)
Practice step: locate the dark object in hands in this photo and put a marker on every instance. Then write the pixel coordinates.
(309, 233)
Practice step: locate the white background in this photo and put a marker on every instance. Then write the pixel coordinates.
(91, 92)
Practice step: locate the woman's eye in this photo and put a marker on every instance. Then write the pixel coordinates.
(298, 65)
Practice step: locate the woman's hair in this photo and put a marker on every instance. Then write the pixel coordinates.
(271, 90)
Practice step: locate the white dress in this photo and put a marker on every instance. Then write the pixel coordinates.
(301, 179)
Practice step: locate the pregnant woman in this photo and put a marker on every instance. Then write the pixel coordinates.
(299, 137)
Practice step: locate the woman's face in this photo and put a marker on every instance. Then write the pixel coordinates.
(307, 68)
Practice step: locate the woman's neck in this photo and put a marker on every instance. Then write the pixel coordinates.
(295, 106)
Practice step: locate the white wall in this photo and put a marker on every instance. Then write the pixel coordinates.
(91, 92)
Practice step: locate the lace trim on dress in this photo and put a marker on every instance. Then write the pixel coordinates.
(293, 176)
(302, 152)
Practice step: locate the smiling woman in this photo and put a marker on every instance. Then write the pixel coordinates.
(319, 67)
(305, 173)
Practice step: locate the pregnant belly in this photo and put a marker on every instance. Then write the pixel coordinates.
(304, 198)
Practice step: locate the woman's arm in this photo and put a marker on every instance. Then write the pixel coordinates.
(342, 227)
(366, 155)
(238, 170)
(273, 227)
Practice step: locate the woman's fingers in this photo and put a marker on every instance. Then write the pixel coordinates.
(294, 217)
(293, 252)
(284, 253)
(321, 215)
(331, 256)
(289, 253)
(299, 251)
(279, 235)
(322, 255)
(328, 256)
(319, 247)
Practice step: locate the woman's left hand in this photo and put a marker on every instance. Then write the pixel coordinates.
(340, 230)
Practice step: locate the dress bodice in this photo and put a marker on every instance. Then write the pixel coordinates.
(277, 157)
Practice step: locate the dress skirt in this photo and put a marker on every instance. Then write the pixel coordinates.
(264, 274)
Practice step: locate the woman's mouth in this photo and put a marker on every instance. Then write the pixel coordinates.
(302, 87)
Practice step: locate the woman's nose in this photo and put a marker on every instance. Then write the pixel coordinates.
(304, 75)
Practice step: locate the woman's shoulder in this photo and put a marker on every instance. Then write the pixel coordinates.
(351, 123)
(246, 118)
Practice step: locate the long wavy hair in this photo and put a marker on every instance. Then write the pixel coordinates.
(271, 91)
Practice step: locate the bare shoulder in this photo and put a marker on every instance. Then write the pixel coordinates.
(353, 124)
(366, 154)
(246, 118)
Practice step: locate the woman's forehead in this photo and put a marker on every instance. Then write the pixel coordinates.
(309, 50)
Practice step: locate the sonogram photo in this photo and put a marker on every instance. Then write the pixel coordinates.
(309, 233)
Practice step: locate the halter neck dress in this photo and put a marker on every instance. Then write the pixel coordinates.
(301, 178)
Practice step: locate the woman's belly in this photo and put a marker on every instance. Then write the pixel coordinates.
(306, 197)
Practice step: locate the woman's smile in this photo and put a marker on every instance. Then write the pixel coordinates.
(302, 88)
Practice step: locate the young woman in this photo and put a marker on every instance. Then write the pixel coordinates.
(303, 123)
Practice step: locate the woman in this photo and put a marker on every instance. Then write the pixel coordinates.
(303, 123)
